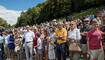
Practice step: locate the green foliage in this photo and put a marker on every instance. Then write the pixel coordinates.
(3, 23)
(88, 12)
(52, 9)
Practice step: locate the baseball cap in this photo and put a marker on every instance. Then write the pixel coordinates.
(38, 35)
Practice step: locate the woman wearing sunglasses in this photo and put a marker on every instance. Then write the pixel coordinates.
(74, 37)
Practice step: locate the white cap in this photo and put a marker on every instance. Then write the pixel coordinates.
(54, 20)
(87, 19)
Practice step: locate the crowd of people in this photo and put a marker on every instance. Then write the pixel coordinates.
(55, 40)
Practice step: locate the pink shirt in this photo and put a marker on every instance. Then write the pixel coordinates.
(94, 38)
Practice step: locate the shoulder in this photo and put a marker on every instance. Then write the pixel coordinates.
(64, 29)
(57, 29)
(100, 31)
(77, 30)
(39, 39)
(31, 31)
(90, 31)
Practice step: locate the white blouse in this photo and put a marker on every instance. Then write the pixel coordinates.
(75, 34)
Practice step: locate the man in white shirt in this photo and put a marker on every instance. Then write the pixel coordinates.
(29, 36)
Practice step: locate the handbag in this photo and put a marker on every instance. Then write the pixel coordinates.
(75, 47)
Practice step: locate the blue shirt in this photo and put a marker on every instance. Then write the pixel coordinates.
(102, 13)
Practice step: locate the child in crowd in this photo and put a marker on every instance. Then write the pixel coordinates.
(51, 46)
(39, 46)
(11, 46)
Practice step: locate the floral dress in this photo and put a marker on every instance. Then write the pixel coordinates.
(51, 52)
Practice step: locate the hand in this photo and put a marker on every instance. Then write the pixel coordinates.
(16, 45)
(102, 47)
(82, 34)
(52, 49)
(35, 46)
(60, 37)
(89, 52)
(57, 37)
(85, 33)
(71, 38)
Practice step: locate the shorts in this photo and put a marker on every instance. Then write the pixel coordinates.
(11, 46)
(39, 51)
(84, 48)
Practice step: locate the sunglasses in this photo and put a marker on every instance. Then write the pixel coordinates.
(86, 21)
(71, 24)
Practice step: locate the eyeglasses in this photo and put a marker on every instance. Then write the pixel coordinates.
(86, 21)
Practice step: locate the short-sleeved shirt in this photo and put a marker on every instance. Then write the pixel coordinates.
(83, 39)
(39, 42)
(75, 34)
(29, 36)
(35, 40)
(94, 37)
(61, 32)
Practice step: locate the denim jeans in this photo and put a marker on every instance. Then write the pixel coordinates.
(61, 51)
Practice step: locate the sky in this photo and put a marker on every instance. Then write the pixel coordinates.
(10, 10)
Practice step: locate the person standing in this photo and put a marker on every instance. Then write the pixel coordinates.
(94, 42)
(83, 41)
(11, 46)
(60, 36)
(39, 46)
(1, 47)
(51, 46)
(74, 37)
(29, 36)
(6, 48)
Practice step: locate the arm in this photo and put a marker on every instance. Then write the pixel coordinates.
(101, 44)
(33, 35)
(82, 33)
(88, 47)
(56, 35)
(88, 38)
(65, 35)
(53, 44)
(103, 33)
(78, 34)
(37, 45)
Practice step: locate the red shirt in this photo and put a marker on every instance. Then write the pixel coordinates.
(35, 40)
(94, 38)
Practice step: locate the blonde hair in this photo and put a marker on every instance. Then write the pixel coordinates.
(72, 22)
(95, 21)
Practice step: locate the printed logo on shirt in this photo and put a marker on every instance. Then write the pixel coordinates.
(97, 35)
